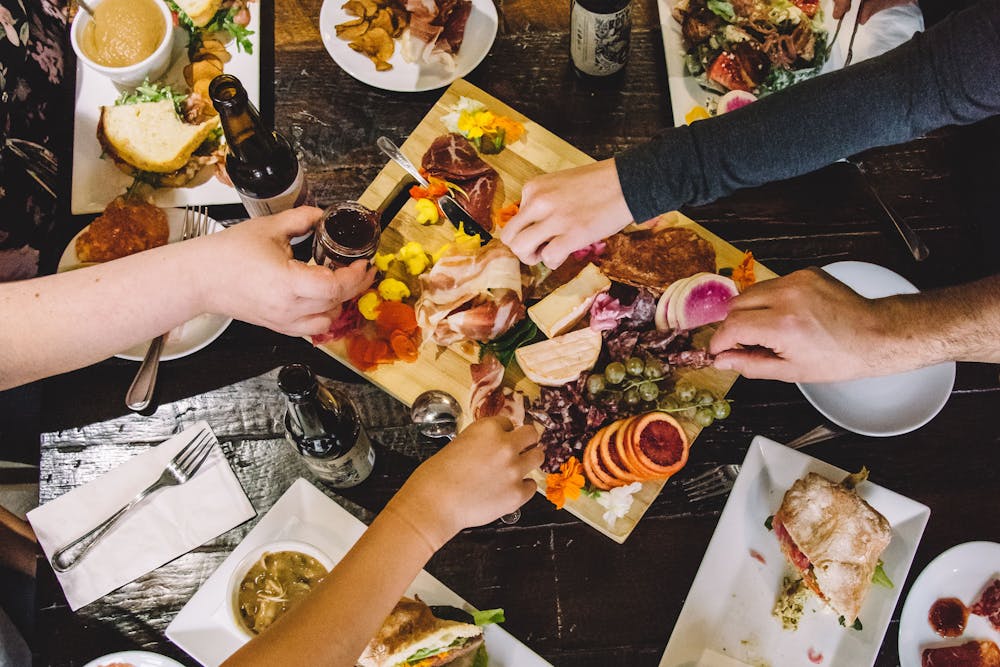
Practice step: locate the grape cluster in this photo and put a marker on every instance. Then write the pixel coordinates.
(635, 383)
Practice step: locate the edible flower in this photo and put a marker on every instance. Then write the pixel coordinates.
(565, 484)
(346, 322)
(504, 215)
(391, 289)
(427, 211)
(488, 131)
(382, 261)
(439, 253)
(436, 187)
(474, 124)
(696, 113)
(368, 305)
(617, 502)
(743, 275)
(467, 242)
(414, 256)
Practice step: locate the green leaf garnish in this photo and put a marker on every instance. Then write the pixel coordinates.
(504, 346)
(880, 577)
(769, 522)
(153, 92)
(488, 617)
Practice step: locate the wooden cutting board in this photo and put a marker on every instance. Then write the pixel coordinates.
(538, 152)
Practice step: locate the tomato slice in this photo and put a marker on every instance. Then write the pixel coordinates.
(726, 72)
(809, 7)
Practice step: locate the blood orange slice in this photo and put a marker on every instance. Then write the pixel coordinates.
(659, 444)
(592, 465)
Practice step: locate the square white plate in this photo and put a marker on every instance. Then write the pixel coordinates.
(728, 609)
(97, 181)
(206, 629)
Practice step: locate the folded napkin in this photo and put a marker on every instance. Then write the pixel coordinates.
(884, 31)
(164, 526)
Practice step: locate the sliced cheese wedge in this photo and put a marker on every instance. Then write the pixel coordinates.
(567, 304)
(561, 359)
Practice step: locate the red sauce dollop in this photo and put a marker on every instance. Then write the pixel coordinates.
(948, 617)
(815, 656)
(757, 556)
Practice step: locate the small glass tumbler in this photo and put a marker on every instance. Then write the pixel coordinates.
(347, 232)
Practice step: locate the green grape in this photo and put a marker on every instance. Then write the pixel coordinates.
(704, 417)
(721, 409)
(611, 398)
(615, 372)
(631, 396)
(654, 369)
(685, 392)
(635, 366)
(704, 397)
(649, 391)
(669, 403)
(595, 384)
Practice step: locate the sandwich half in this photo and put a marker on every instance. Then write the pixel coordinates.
(833, 538)
(412, 636)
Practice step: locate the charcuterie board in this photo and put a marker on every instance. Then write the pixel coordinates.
(447, 369)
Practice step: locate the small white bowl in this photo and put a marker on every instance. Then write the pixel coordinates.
(131, 76)
(233, 590)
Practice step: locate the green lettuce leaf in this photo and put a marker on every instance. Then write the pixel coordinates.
(488, 617)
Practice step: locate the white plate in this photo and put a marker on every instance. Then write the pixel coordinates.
(206, 629)
(186, 339)
(960, 572)
(480, 31)
(97, 181)
(136, 659)
(728, 609)
(885, 30)
(887, 405)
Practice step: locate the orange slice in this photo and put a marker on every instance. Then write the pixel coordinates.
(659, 444)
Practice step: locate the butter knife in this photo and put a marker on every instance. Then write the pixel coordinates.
(455, 212)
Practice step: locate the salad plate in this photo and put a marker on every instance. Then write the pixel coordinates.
(206, 628)
(96, 181)
(728, 609)
(407, 77)
(186, 339)
(960, 572)
(890, 404)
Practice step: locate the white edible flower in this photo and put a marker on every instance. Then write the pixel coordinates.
(464, 104)
(617, 502)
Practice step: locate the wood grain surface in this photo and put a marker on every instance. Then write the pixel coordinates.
(570, 594)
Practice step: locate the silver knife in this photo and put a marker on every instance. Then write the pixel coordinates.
(455, 212)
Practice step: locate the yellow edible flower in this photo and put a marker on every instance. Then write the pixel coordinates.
(368, 305)
(391, 289)
(427, 211)
(473, 125)
(696, 113)
(415, 258)
(440, 252)
(467, 242)
(382, 261)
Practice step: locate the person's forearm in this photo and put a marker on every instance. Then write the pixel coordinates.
(959, 323)
(949, 75)
(336, 621)
(66, 321)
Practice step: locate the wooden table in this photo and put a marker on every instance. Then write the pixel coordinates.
(571, 594)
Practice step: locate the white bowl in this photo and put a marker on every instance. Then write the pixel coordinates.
(248, 562)
(887, 405)
(151, 68)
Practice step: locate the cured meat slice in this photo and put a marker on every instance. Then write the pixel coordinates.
(988, 604)
(451, 157)
(436, 30)
(491, 399)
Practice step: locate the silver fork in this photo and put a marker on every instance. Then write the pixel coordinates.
(180, 469)
(719, 480)
(140, 392)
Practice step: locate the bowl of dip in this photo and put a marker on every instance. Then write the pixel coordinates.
(127, 41)
(272, 579)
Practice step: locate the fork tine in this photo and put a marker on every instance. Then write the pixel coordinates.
(191, 449)
(202, 221)
(708, 474)
(188, 219)
(722, 490)
(192, 467)
(705, 484)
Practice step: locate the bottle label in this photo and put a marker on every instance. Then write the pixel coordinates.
(295, 195)
(348, 470)
(599, 43)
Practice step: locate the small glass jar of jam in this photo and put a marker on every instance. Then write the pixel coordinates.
(347, 232)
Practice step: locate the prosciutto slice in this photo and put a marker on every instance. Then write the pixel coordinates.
(453, 158)
(436, 30)
(489, 397)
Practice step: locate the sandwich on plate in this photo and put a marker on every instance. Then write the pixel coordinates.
(160, 137)
(833, 538)
(411, 636)
(214, 16)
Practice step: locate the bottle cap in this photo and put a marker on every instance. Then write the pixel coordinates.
(297, 381)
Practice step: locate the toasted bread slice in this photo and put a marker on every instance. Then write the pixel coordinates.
(150, 136)
(199, 11)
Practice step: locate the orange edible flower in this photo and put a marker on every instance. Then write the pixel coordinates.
(565, 484)
(743, 275)
(512, 129)
(506, 213)
(396, 316)
(419, 192)
(404, 346)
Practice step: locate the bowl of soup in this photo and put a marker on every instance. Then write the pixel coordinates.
(127, 41)
(272, 579)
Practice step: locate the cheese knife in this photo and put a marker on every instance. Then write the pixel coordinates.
(455, 212)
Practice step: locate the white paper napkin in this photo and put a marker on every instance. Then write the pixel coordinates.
(164, 526)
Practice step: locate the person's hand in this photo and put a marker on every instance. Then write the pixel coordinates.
(478, 477)
(251, 275)
(565, 211)
(867, 9)
(807, 327)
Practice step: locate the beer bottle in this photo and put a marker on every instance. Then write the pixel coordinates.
(599, 37)
(260, 163)
(323, 426)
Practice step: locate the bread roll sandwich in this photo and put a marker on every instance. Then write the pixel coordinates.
(214, 16)
(833, 538)
(159, 136)
(412, 636)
